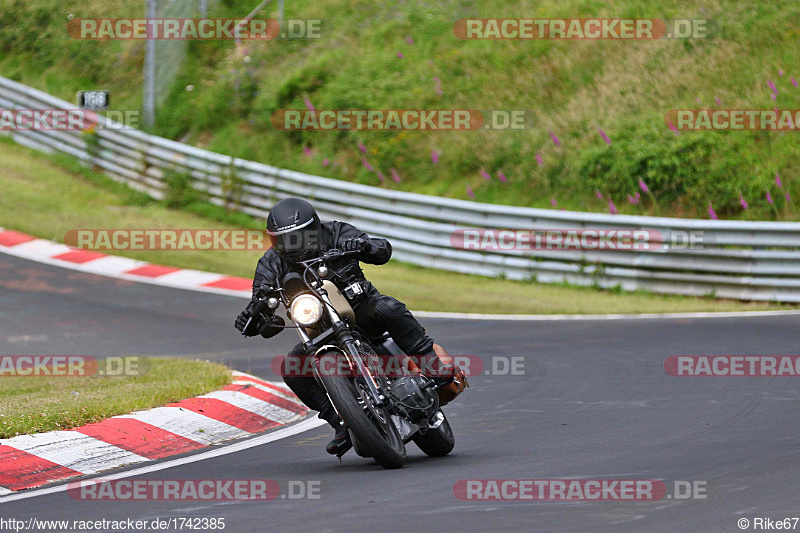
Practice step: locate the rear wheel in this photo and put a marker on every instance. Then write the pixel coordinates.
(371, 425)
(437, 442)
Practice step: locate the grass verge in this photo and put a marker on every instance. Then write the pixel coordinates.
(35, 404)
(48, 196)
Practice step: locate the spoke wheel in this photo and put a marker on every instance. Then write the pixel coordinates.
(370, 424)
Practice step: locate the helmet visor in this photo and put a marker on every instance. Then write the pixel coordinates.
(297, 244)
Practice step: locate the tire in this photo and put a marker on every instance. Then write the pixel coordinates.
(384, 445)
(437, 442)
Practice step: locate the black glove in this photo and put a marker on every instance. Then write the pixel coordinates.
(241, 322)
(272, 326)
(354, 245)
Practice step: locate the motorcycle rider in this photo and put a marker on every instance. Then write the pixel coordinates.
(297, 234)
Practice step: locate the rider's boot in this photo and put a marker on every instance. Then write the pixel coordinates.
(341, 439)
(449, 378)
(438, 371)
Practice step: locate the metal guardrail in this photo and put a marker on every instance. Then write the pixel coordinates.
(738, 259)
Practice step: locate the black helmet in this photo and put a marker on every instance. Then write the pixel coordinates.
(294, 229)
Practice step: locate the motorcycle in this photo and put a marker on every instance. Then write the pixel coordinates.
(383, 411)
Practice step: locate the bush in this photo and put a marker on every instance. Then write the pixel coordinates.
(180, 191)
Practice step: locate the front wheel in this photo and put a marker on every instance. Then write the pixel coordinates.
(437, 442)
(372, 426)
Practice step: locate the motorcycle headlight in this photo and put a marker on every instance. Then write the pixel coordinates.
(306, 310)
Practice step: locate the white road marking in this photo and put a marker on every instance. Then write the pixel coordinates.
(189, 278)
(38, 249)
(478, 316)
(26, 338)
(112, 265)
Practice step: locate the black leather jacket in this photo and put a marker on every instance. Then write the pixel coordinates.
(272, 266)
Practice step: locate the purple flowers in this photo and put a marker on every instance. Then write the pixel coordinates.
(395, 175)
(501, 176)
(769, 198)
(381, 177)
(711, 212)
(598, 195)
(326, 162)
(366, 164)
(612, 208)
(555, 139)
(485, 175)
(362, 148)
(604, 136)
(778, 180)
(435, 157)
(742, 201)
(553, 202)
(633, 199)
(674, 129)
(716, 99)
(643, 186)
(437, 85)
(539, 159)
(794, 82)
(470, 193)
(774, 89)
(309, 105)
(306, 150)
(400, 55)
(410, 40)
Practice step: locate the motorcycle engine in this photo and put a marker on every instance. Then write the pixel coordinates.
(418, 403)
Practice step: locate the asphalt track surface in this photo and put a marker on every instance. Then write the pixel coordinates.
(594, 402)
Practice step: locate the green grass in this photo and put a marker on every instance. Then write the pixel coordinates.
(48, 196)
(35, 404)
(573, 87)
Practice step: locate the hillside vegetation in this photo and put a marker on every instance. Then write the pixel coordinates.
(599, 105)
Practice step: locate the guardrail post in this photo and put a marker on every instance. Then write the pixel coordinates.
(150, 72)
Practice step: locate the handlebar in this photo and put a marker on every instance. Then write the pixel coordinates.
(330, 254)
(333, 253)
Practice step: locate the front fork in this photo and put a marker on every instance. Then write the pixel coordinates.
(345, 340)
